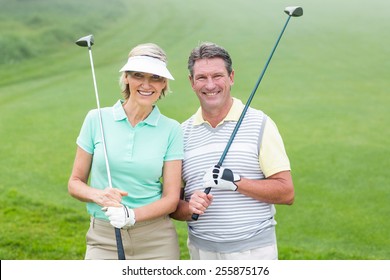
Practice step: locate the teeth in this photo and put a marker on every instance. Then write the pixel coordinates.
(146, 93)
(210, 93)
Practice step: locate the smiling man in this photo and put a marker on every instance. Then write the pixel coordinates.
(237, 217)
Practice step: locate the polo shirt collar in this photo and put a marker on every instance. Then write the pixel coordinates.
(120, 114)
(233, 115)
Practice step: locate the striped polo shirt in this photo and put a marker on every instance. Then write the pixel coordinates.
(256, 152)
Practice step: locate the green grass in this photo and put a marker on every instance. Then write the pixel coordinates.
(326, 88)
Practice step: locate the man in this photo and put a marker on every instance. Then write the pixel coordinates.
(237, 217)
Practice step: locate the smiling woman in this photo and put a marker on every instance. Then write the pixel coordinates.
(145, 58)
(144, 80)
(145, 89)
(143, 146)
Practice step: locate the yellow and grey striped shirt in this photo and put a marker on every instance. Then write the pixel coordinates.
(256, 152)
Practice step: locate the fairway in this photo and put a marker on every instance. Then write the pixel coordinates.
(327, 89)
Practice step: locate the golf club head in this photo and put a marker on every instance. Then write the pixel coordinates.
(294, 11)
(86, 41)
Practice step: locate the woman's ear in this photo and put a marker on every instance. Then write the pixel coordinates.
(125, 76)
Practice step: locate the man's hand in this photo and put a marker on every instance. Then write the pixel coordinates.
(220, 178)
(120, 216)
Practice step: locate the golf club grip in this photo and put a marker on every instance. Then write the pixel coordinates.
(119, 244)
(196, 216)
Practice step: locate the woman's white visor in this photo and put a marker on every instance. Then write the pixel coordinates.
(147, 64)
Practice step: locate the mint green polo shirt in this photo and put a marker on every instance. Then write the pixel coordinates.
(136, 154)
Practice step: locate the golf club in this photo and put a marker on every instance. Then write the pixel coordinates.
(291, 12)
(87, 41)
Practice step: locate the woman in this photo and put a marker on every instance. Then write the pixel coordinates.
(145, 153)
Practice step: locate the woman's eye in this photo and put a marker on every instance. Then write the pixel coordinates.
(156, 78)
(136, 75)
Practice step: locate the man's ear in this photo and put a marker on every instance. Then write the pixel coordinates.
(232, 77)
(191, 80)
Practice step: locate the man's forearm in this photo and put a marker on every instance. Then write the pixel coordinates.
(182, 212)
(276, 189)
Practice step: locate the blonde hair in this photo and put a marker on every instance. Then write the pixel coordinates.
(147, 49)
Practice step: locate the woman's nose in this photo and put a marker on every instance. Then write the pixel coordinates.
(146, 82)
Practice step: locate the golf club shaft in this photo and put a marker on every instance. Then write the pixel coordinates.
(118, 236)
(238, 124)
(100, 120)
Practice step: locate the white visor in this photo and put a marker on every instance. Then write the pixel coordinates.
(147, 64)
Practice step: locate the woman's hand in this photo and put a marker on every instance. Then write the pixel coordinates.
(110, 197)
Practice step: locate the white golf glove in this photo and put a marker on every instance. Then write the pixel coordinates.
(220, 178)
(120, 216)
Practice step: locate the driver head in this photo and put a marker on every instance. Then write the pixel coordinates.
(294, 11)
(86, 41)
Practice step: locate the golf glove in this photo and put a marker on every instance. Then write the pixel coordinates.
(220, 178)
(120, 216)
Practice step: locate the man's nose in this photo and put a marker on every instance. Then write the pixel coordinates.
(210, 83)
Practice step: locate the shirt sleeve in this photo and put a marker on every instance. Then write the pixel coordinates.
(85, 139)
(273, 157)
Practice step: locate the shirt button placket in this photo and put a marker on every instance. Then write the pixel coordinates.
(131, 143)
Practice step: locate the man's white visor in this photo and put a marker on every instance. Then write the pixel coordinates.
(147, 64)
